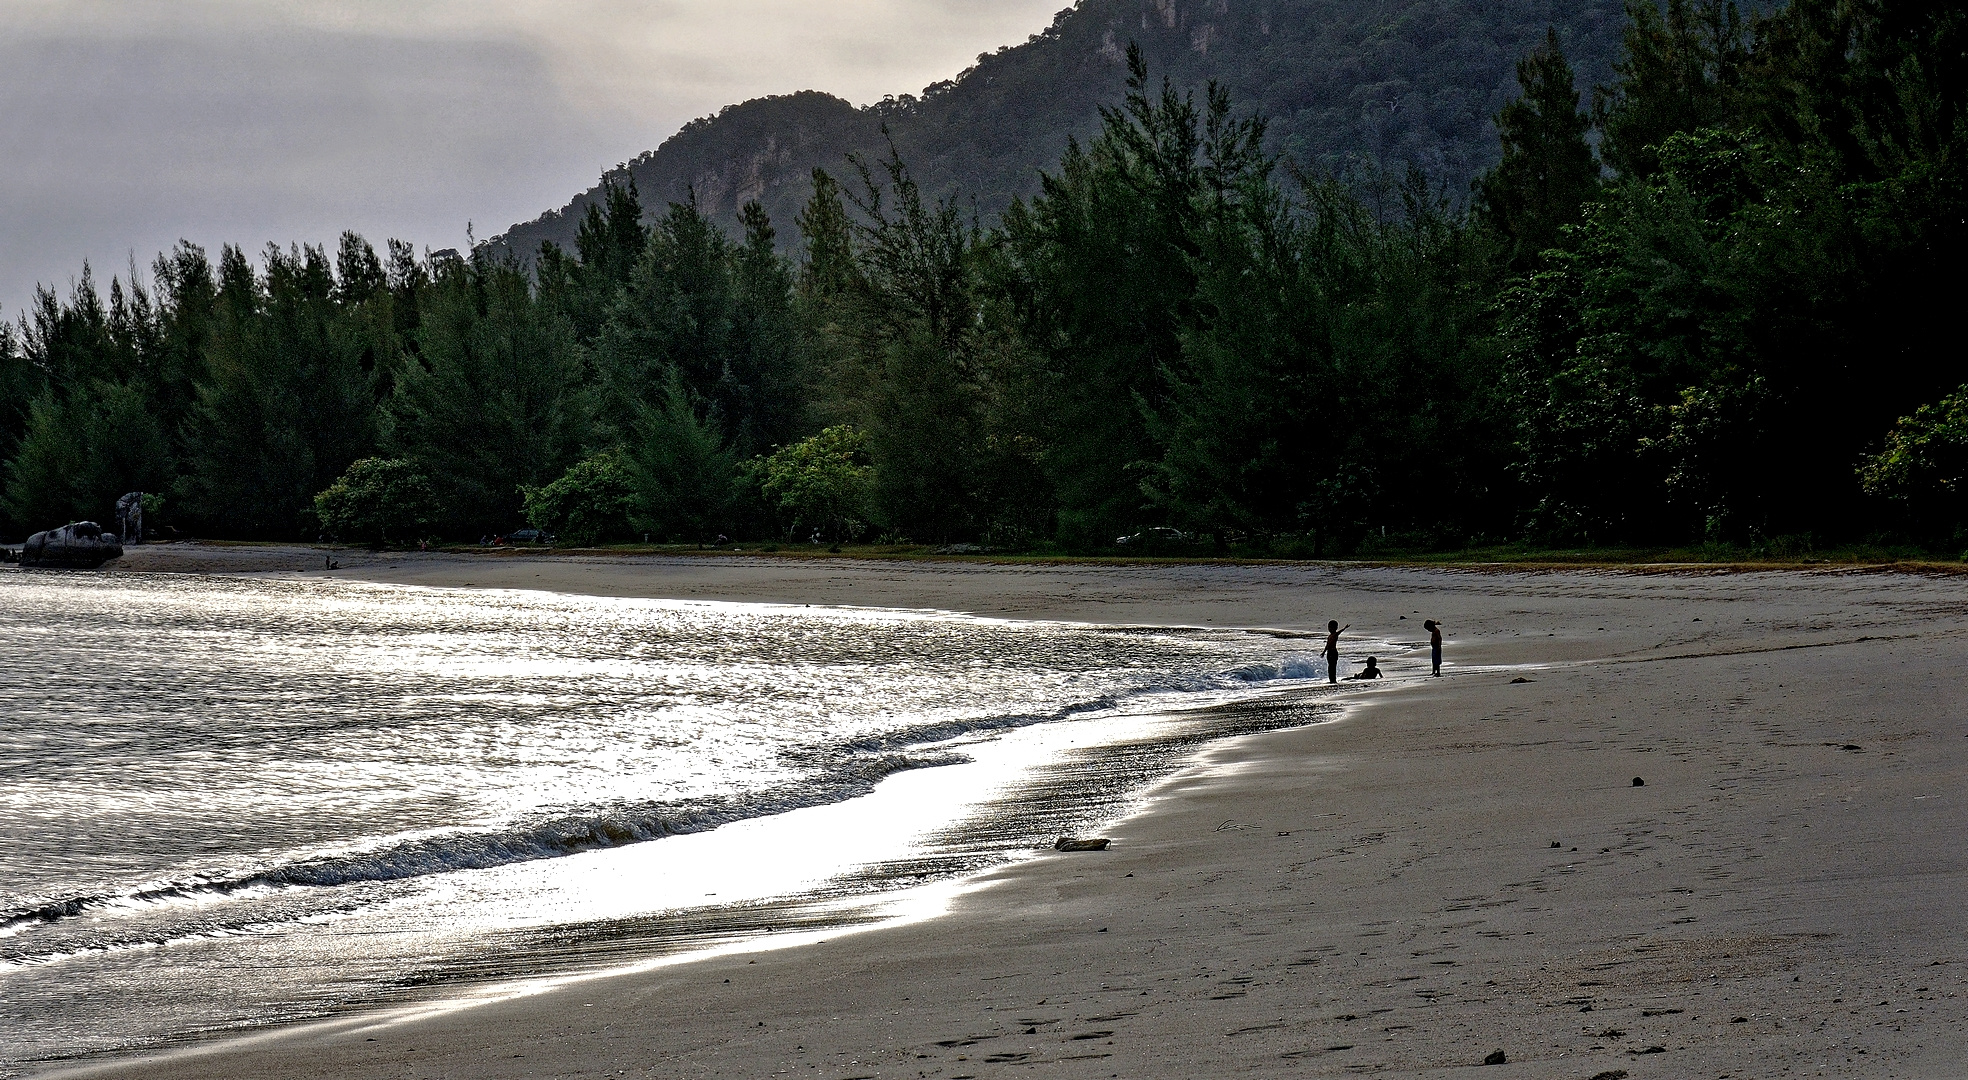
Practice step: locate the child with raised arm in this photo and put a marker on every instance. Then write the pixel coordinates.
(1333, 630)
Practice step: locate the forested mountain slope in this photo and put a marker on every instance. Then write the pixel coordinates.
(1718, 308)
(1344, 83)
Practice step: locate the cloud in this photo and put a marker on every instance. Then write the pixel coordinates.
(127, 125)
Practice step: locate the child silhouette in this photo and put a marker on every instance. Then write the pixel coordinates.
(1371, 671)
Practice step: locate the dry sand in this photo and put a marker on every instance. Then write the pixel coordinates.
(1460, 866)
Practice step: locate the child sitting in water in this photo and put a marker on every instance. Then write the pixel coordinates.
(1371, 671)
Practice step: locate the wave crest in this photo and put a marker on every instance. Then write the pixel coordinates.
(835, 774)
(564, 834)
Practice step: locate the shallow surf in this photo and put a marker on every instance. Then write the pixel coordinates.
(232, 802)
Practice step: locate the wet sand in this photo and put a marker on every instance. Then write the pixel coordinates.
(1460, 866)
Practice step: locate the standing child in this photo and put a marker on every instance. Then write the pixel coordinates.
(1333, 630)
(1434, 643)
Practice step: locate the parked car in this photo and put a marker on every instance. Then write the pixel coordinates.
(530, 536)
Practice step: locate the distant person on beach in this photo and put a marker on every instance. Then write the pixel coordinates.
(1434, 643)
(1333, 630)
(1371, 671)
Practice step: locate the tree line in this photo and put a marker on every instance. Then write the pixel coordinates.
(1709, 301)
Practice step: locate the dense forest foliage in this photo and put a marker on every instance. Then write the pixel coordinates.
(1346, 85)
(1710, 300)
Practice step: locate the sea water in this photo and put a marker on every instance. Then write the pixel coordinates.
(226, 803)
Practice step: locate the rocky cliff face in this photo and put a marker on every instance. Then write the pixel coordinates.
(1347, 85)
(764, 149)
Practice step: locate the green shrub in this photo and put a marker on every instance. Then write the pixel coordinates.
(591, 502)
(1924, 464)
(376, 500)
(822, 484)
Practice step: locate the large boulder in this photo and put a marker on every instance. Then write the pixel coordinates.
(79, 546)
(130, 518)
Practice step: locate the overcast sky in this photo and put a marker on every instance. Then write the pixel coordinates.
(128, 124)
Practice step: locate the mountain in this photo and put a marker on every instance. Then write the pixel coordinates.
(1345, 83)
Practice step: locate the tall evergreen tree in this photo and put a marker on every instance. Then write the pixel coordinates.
(495, 400)
(1239, 425)
(1879, 85)
(1679, 69)
(286, 405)
(828, 294)
(20, 383)
(608, 246)
(917, 330)
(671, 318)
(761, 385)
(359, 273)
(828, 269)
(69, 342)
(91, 432)
(80, 451)
(1547, 172)
(187, 295)
(366, 300)
(681, 468)
(1104, 263)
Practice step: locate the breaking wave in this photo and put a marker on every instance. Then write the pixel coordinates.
(836, 774)
(563, 834)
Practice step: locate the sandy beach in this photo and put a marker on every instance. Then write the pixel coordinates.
(1688, 824)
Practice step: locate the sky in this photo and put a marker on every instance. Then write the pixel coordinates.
(127, 125)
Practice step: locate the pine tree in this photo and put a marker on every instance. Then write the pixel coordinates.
(672, 319)
(1679, 70)
(187, 294)
(80, 451)
(609, 246)
(285, 406)
(828, 270)
(85, 417)
(916, 329)
(1103, 267)
(69, 341)
(682, 470)
(830, 293)
(1547, 173)
(20, 384)
(358, 272)
(765, 367)
(495, 401)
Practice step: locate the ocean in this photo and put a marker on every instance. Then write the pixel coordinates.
(227, 803)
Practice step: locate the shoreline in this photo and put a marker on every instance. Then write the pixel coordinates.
(1100, 779)
(1395, 904)
(264, 556)
(1104, 777)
